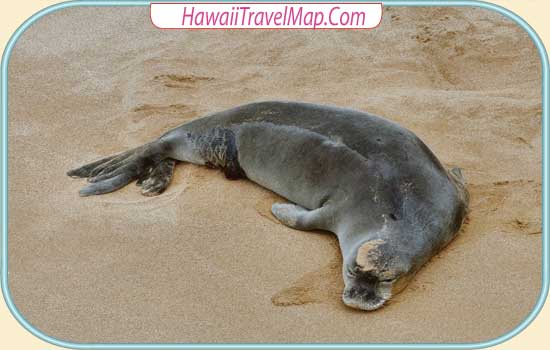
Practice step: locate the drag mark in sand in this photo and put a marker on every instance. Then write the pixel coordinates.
(323, 285)
(180, 81)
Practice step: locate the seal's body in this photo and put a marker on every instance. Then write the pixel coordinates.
(370, 181)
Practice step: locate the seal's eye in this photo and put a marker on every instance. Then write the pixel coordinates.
(388, 280)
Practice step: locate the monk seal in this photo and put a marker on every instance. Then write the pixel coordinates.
(373, 183)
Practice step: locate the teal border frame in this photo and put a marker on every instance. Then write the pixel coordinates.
(58, 342)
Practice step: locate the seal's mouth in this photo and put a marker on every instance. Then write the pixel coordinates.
(363, 299)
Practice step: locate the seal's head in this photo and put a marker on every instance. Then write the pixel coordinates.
(373, 274)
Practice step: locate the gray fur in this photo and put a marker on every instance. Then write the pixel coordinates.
(373, 183)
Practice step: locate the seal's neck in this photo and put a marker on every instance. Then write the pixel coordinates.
(352, 234)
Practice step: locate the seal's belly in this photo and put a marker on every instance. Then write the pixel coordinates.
(302, 166)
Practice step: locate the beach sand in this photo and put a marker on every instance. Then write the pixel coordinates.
(206, 261)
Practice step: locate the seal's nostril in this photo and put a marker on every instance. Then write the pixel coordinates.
(363, 303)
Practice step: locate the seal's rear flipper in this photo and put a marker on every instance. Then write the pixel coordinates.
(101, 166)
(158, 179)
(86, 170)
(112, 173)
(106, 186)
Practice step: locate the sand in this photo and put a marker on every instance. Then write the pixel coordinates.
(206, 261)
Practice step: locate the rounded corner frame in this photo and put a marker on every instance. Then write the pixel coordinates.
(397, 3)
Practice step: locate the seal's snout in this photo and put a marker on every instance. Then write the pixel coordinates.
(362, 298)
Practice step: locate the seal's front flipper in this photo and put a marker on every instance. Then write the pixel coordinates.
(297, 217)
(456, 173)
(158, 179)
